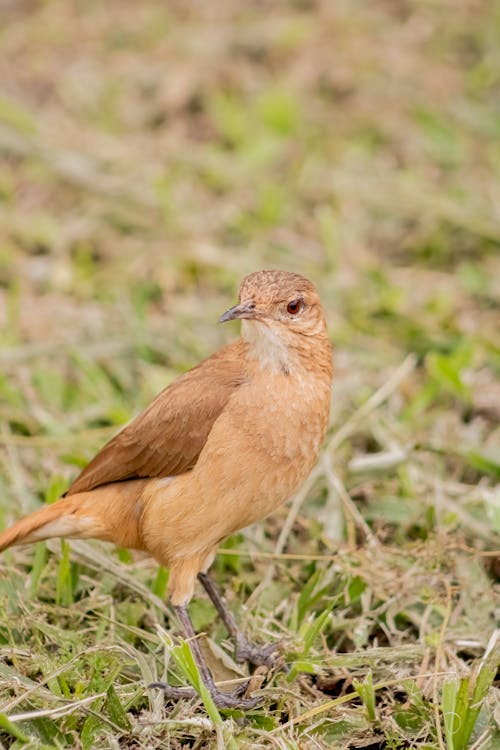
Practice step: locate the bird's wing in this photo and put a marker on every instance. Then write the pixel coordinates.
(166, 438)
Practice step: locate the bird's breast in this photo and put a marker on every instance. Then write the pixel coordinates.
(288, 417)
(260, 449)
(263, 446)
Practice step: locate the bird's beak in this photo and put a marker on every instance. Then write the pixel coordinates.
(243, 310)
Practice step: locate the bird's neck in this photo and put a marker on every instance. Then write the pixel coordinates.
(267, 348)
(278, 353)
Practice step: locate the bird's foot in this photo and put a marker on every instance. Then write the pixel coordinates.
(267, 656)
(220, 698)
(233, 700)
(175, 693)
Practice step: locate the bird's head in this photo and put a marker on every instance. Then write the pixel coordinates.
(280, 311)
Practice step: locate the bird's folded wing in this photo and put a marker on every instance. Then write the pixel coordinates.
(167, 438)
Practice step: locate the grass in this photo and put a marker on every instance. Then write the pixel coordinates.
(154, 154)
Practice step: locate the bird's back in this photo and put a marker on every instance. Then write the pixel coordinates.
(167, 437)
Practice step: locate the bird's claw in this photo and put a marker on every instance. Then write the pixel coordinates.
(233, 700)
(267, 656)
(221, 699)
(175, 693)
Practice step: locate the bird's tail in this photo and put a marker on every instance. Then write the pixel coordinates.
(112, 513)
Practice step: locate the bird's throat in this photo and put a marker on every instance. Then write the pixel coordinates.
(268, 347)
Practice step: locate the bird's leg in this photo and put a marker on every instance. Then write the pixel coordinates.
(245, 650)
(220, 698)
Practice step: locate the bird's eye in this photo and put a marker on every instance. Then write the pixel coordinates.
(294, 306)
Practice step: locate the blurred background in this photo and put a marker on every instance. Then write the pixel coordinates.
(153, 153)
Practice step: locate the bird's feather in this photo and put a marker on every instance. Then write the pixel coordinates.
(167, 437)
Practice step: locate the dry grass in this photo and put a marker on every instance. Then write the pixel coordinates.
(152, 155)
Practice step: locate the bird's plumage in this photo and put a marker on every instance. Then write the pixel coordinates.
(167, 437)
(221, 447)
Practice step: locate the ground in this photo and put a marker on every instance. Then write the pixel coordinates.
(152, 154)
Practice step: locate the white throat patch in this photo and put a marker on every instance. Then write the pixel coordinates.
(267, 346)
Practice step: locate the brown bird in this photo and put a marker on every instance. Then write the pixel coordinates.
(220, 448)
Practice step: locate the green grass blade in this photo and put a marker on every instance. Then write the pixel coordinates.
(39, 564)
(187, 664)
(366, 692)
(64, 585)
(116, 711)
(12, 729)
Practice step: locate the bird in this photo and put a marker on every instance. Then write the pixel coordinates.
(221, 447)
